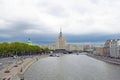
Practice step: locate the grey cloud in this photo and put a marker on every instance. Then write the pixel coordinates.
(18, 28)
(58, 11)
(53, 9)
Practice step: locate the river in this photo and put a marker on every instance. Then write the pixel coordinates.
(72, 67)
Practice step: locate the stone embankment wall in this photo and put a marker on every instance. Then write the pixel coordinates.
(106, 59)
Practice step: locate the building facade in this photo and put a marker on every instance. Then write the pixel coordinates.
(69, 47)
(115, 48)
(99, 51)
(107, 48)
(60, 42)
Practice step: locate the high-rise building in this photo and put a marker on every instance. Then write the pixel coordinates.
(60, 42)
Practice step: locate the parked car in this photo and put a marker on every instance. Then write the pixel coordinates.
(14, 57)
(57, 55)
(51, 55)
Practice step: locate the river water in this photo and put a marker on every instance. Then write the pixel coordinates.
(72, 67)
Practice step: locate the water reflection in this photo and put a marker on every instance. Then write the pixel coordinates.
(72, 67)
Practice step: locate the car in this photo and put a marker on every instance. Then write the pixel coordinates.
(77, 53)
(51, 55)
(57, 55)
(14, 57)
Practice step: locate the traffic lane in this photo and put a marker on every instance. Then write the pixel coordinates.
(9, 60)
(6, 62)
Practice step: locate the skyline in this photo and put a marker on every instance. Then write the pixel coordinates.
(80, 40)
(89, 21)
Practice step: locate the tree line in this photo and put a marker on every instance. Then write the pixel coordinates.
(19, 49)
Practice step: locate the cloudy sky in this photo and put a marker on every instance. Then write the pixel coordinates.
(80, 20)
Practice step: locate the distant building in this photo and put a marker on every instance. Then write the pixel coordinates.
(81, 48)
(76, 47)
(107, 48)
(115, 48)
(86, 47)
(29, 42)
(60, 42)
(111, 49)
(69, 47)
(99, 51)
(51, 47)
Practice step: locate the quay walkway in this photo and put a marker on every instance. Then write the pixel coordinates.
(17, 69)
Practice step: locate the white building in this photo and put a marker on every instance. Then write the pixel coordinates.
(60, 42)
(69, 47)
(115, 48)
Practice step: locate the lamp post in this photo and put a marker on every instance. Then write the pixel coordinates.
(16, 63)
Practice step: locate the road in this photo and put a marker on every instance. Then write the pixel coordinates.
(72, 67)
(6, 62)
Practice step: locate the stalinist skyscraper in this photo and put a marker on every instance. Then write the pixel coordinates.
(60, 42)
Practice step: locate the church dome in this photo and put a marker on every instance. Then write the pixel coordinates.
(29, 42)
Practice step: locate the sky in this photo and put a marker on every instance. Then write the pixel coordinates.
(41, 20)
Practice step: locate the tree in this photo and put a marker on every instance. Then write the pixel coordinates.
(17, 48)
(46, 50)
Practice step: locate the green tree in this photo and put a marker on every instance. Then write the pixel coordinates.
(17, 48)
(46, 50)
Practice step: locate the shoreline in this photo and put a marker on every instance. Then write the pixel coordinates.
(105, 59)
(17, 72)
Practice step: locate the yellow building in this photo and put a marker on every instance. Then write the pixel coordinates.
(99, 51)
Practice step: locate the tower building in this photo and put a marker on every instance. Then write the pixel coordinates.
(61, 41)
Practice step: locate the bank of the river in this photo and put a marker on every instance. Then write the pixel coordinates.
(106, 59)
(18, 69)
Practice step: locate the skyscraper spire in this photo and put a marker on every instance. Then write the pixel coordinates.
(60, 32)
